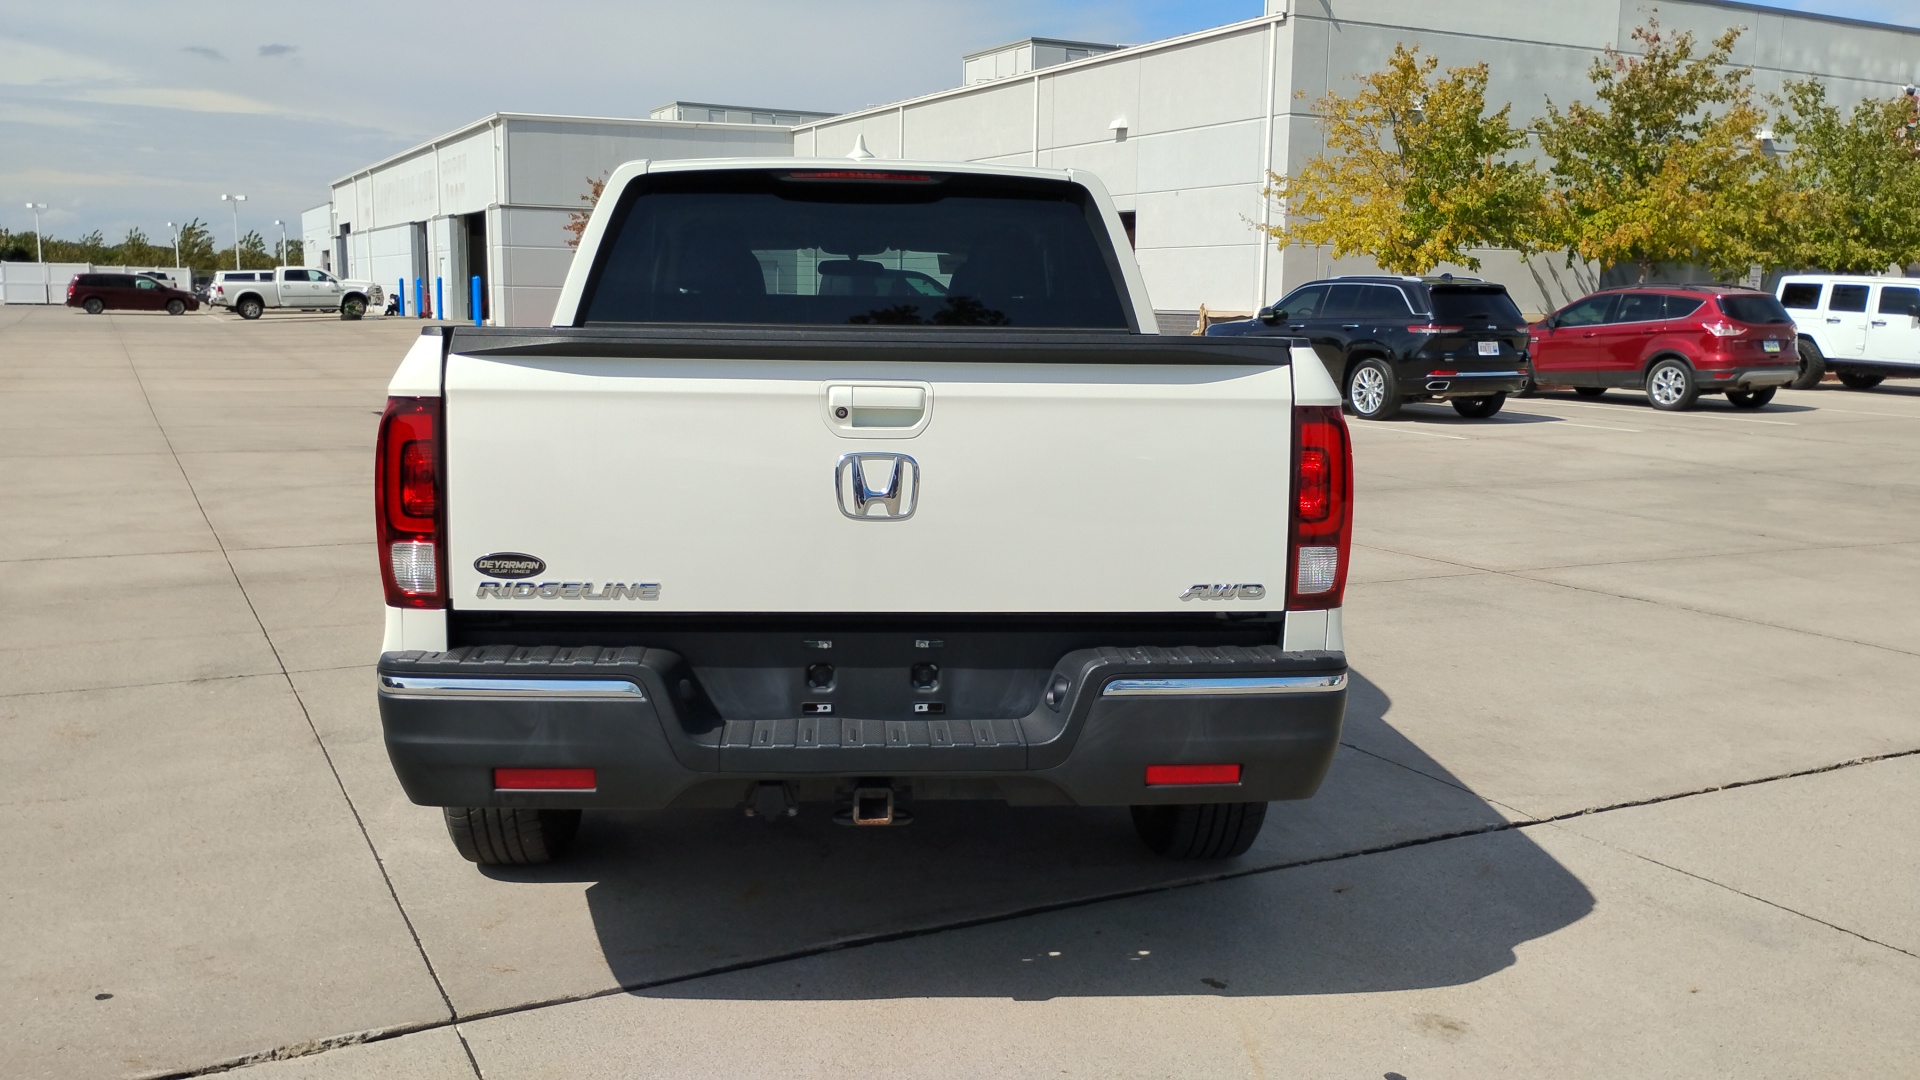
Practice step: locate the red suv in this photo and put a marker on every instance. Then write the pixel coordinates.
(1673, 341)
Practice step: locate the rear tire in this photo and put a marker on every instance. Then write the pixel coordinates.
(94, 305)
(1751, 399)
(1813, 366)
(1479, 408)
(1372, 391)
(249, 308)
(1854, 380)
(1589, 391)
(176, 307)
(1671, 386)
(1200, 830)
(497, 836)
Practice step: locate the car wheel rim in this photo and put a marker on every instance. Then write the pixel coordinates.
(1369, 389)
(1668, 385)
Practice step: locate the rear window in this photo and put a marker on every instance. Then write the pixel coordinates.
(1754, 308)
(799, 248)
(1802, 295)
(1899, 300)
(1482, 306)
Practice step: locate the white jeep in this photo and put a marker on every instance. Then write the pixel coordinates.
(1862, 329)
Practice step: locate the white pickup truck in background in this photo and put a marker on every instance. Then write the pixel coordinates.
(859, 485)
(250, 293)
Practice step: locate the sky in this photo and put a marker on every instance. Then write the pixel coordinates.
(133, 113)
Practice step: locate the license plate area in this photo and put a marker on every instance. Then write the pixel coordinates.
(1770, 346)
(1489, 348)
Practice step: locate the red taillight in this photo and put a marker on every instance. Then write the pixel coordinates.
(407, 513)
(1723, 329)
(1159, 775)
(1322, 509)
(1431, 329)
(543, 780)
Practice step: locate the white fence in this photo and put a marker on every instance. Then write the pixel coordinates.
(46, 283)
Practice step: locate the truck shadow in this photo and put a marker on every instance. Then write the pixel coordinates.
(1394, 876)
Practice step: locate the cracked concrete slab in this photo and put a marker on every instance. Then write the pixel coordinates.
(1550, 699)
(1520, 954)
(193, 886)
(1837, 846)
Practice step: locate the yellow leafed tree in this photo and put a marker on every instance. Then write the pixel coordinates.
(1416, 172)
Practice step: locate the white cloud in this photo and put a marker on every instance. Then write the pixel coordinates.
(25, 63)
(13, 112)
(186, 99)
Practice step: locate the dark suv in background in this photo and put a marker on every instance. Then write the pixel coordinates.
(1390, 340)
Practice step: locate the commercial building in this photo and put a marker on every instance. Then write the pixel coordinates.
(1183, 132)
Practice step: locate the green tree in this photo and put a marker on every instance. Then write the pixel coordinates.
(137, 250)
(196, 248)
(1852, 182)
(296, 253)
(254, 253)
(1416, 172)
(1667, 167)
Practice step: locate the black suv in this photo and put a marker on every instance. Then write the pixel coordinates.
(1390, 340)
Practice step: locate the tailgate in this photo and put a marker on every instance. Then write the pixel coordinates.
(1031, 486)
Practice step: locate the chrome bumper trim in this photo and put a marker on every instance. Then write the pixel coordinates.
(1480, 375)
(425, 684)
(1246, 684)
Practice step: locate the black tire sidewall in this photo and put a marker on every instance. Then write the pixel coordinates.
(248, 309)
(176, 307)
(1479, 408)
(1813, 367)
(93, 306)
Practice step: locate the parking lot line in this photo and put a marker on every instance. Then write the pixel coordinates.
(1710, 416)
(1597, 427)
(1407, 430)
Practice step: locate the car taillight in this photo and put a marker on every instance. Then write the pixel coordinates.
(1322, 508)
(1720, 328)
(1431, 329)
(408, 506)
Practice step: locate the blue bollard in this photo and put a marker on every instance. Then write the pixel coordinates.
(439, 299)
(476, 299)
(400, 298)
(419, 299)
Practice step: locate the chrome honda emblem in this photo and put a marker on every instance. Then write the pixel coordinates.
(877, 487)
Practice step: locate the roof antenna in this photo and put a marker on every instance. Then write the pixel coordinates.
(860, 151)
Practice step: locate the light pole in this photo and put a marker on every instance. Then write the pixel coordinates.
(283, 240)
(236, 200)
(175, 230)
(39, 242)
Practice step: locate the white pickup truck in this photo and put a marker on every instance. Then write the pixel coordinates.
(250, 293)
(859, 485)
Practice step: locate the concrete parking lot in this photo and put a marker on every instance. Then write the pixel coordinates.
(1628, 788)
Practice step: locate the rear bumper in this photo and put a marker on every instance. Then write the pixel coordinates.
(636, 717)
(1747, 378)
(1425, 380)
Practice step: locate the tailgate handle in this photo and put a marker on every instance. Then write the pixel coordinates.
(856, 409)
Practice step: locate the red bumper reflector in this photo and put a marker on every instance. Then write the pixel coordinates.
(1192, 774)
(547, 779)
